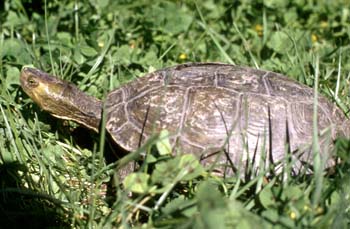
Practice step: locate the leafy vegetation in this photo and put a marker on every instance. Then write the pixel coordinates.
(54, 174)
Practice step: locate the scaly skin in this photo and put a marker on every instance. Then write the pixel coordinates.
(61, 98)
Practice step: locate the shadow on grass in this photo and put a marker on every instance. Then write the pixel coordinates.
(21, 206)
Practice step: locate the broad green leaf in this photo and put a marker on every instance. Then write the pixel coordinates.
(276, 4)
(12, 76)
(15, 48)
(267, 198)
(103, 3)
(163, 143)
(181, 168)
(7, 156)
(122, 55)
(175, 20)
(291, 16)
(149, 58)
(150, 158)
(137, 182)
(88, 51)
(180, 205)
(78, 57)
(280, 42)
(212, 206)
(15, 19)
(191, 166)
(65, 38)
(271, 214)
(293, 193)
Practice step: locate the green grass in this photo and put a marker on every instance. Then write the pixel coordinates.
(49, 178)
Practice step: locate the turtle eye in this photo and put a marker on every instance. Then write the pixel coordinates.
(32, 82)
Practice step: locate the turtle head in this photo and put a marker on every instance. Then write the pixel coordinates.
(61, 98)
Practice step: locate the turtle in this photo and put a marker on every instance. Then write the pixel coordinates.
(234, 116)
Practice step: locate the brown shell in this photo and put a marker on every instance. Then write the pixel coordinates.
(238, 114)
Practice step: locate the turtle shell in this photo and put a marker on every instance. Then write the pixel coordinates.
(224, 113)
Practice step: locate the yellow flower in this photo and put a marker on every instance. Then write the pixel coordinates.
(132, 44)
(314, 38)
(306, 208)
(259, 29)
(101, 44)
(324, 24)
(183, 56)
(319, 210)
(292, 215)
